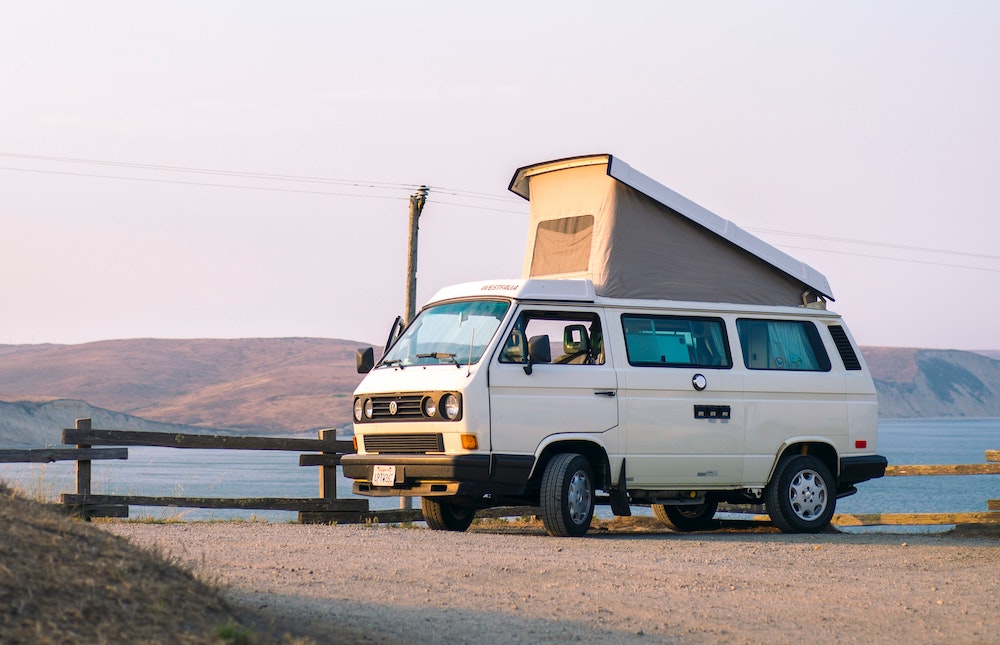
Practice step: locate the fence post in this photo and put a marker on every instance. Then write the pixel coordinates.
(83, 469)
(328, 474)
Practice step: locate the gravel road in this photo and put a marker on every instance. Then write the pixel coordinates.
(509, 583)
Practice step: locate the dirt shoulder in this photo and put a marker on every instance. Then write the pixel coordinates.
(64, 581)
(509, 583)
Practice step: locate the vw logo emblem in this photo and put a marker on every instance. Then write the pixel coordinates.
(393, 408)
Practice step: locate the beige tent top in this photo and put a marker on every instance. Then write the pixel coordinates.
(595, 217)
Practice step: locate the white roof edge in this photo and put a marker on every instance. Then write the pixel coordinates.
(582, 290)
(519, 183)
(700, 215)
(521, 288)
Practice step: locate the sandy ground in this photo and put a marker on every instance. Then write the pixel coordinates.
(509, 583)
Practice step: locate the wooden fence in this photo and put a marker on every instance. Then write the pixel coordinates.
(990, 516)
(325, 453)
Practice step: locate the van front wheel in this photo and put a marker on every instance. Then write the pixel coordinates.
(567, 496)
(445, 516)
(801, 497)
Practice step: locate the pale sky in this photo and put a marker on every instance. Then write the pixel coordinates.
(860, 137)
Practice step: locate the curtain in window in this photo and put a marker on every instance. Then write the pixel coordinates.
(790, 348)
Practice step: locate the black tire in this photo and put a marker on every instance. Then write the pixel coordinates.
(802, 495)
(567, 496)
(443, 515)
(699, 517)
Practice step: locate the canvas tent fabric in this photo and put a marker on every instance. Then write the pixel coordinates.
(595, 217)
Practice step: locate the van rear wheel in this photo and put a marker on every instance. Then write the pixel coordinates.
(567, 496)
(442, 515)
(697, 517)
(801, 497)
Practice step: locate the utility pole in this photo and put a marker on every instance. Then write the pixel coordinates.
(417, 201)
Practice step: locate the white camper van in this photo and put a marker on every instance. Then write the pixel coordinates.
(652, 352)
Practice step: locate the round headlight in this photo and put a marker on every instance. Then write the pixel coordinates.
(449, 403)
(358, 409)
(369, 408)
(430, 407)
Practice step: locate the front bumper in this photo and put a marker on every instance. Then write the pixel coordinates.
(440, 475)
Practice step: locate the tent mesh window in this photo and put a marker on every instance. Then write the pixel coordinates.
(562, 245)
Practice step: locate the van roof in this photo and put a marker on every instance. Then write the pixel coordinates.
(583, 291)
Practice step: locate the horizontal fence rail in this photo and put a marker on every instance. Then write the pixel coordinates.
(309, 504)
(992, 467)
(48, 455)
(942, 469)
(93, 437)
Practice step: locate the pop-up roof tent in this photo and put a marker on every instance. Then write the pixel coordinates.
(595, 217)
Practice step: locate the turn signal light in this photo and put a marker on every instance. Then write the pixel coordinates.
(470, 442)
(354, 440)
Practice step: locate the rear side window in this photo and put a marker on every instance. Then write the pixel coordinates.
(676, 341)
(785, 345)
(843, 344)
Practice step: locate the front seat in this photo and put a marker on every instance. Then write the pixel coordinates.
(576, 345)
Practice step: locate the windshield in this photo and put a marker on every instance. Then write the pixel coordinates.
(455, 333)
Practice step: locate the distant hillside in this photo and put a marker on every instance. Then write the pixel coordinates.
(934, 383)
(257, 385)
(296, 385)
(26, 424)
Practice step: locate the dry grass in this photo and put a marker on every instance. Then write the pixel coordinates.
(63, 581)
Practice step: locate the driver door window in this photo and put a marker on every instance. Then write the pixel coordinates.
(571, 338)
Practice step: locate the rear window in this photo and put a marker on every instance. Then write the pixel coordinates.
(785, 345)
(676, 341)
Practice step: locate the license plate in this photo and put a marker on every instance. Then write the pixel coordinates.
(383, 475)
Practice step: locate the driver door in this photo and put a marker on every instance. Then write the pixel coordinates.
(571, 388)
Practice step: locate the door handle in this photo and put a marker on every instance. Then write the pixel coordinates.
(605, 393)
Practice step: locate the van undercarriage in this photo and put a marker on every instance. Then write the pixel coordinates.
(449, 484)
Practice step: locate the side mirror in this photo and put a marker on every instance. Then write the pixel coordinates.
(539, 351)
(365, 358)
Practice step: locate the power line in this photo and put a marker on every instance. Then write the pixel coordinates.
(466, 193)
(883, 257)
(246, 187)
(197, 183)
(397, 186)
(253, 175)
(480, 208)
(213, 171)
(826, 238)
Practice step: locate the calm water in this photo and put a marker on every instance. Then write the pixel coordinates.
(933, 441)
(224, 473)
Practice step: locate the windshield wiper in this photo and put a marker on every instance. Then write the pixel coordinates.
(392, 362)
(441, 355)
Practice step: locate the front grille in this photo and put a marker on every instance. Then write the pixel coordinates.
(407, 407)
(403, 443)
